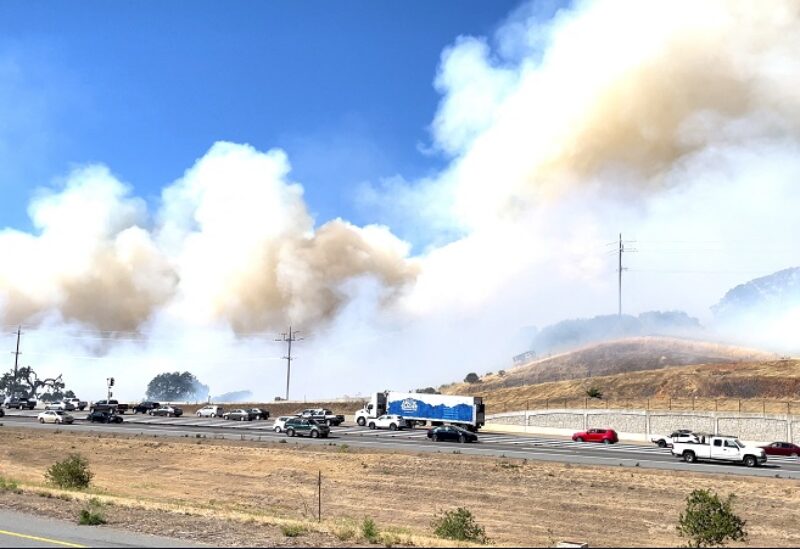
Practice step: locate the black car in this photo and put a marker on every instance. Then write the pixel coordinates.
(259, 413)
(145, 407)
(102, 416)
(451, 433)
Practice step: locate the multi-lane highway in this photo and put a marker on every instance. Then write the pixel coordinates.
(490, 444)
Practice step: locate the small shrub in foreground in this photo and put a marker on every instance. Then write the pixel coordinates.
(293, 530)
(370, 530)
(709, 521)
(92, 514)
(72, 472)
(459, 524)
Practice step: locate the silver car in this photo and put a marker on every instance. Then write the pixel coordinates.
(55, 416)
(60, 405)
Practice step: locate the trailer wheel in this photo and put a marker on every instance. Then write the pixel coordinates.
(361, 421)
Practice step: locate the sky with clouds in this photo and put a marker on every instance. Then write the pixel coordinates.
(409, 184)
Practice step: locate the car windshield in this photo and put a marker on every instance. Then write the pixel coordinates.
(738, 443)
(313, 422)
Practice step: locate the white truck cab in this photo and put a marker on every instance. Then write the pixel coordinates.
(719, 448)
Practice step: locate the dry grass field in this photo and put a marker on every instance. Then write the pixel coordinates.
(240, 493)
(756, 387)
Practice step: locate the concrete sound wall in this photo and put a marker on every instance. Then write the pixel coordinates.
(641, 425)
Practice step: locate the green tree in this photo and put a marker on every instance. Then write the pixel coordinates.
(472, 377)
(709, 521)
(29, 385)
(176, 386)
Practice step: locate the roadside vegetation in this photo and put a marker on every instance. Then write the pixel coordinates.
(709, 521)
(459, 524)
(92, 514)
(70, 473)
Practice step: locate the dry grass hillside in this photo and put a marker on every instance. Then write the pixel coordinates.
(613, 357)
(741, 385)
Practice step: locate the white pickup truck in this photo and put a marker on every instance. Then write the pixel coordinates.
(719, 448)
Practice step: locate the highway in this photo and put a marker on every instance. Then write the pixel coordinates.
(520, 446)
(25, 530)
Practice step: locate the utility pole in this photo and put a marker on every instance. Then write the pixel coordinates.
(619, 271)
(289, 338)
(16, 362)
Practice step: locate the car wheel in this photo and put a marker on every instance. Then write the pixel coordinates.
(579, 439)
(58, 421)
(750, 461)
(606, 441)
(41, 420)
(150, 412)
(314, 433)
(462, 439)
(662, 443)
(242, 419)
(277, 429)
(794, 454)
(371, 425)
(328, 422)
(689, 457)
(289, 432)
(393, 427)
(361, 421)
(435, 438)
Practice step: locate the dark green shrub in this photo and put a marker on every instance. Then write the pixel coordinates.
(72, 472)
(709, 521)
(459, 524)
(594, 392)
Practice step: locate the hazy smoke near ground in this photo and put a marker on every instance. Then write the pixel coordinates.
(676, 123)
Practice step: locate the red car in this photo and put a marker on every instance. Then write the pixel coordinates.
(606, 436)
(782, 449)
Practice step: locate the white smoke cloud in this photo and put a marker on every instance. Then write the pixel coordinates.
(613, 117)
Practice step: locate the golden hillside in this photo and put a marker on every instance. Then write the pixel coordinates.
(700, 385)
(614, 357)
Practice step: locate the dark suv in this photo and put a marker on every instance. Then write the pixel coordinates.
(146, 406)
(306, 427)
(21, 403)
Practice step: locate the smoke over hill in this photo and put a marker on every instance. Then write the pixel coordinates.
(614, 116)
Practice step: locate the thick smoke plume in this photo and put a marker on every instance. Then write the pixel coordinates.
(672, 122)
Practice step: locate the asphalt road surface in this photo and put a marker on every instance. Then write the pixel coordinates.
(25, 530)
(520, 446)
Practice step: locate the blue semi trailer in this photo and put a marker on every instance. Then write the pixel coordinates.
(423, 408)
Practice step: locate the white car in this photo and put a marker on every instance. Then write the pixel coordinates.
(60, 405)
(681, 435)
(55, 416)
(280, 423)
(388, 421)
(210, 411)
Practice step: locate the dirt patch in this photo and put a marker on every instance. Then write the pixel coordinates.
(520, 503)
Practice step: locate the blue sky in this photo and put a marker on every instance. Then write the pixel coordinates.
(146, 88)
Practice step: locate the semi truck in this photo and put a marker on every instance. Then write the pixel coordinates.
(421, 408)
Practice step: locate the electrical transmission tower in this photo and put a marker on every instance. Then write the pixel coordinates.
(289, 338)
